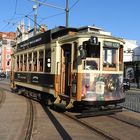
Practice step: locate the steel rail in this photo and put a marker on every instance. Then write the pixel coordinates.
(30, 120)
(2, 97)
(94, 129)
(134, 123)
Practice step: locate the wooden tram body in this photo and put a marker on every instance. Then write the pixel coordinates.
(75, 65)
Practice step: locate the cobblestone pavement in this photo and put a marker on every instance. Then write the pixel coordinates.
(132, 100)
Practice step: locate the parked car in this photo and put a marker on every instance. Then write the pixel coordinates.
(2, 75)
(126, 84)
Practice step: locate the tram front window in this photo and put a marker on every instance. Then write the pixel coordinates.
(92, 52)
(90, 65)
(109, 55)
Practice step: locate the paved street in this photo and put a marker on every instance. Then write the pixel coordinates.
(14, 113)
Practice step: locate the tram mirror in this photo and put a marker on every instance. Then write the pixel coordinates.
(82, 52)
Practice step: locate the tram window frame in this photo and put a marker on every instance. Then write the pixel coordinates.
(35, 61)
(25, 62)
(30, 61)
(112, 65)
(48, 60)
(121, 57)
(93, 51)
(75, 55)
(17, 66)
(21, 63)
(41, 61)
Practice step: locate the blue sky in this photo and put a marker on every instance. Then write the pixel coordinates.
(121, 17)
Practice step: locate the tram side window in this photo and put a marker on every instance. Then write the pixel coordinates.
(30, 61)
(21, 63)
(41, 60)
(121, 58)
(109, 56)
(17, 63)
(25, 63)
(35, 61)
(48, 61)
(75, 56)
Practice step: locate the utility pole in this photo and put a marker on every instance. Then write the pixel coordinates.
(67, 14)
(35, 17)
(53, 6)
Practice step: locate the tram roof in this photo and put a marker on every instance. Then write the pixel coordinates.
(60, 31)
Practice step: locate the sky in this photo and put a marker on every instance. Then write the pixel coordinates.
(120, 17)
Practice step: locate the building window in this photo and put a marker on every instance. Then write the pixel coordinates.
(4, 42)
(8, 63)
(8, 56)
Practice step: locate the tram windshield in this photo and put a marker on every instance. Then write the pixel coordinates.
(92, 51)
(111, 55)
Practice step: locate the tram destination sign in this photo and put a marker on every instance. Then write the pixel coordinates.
(111, 44)
(35, 40)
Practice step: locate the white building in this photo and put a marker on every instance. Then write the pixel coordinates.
(136, 54)
(131, 51)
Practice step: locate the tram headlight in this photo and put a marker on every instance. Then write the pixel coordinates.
(111, 85)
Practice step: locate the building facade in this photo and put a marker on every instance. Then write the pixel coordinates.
(131, 51)
(132, 62)
(7, 40)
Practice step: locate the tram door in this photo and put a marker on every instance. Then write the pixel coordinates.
(66, 69)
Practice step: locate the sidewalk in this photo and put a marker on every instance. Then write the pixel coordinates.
(7, 81)
(135, 88)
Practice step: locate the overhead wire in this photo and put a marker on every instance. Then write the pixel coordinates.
(9, 21)
(61, 12)
(74, 5)
(29, 14)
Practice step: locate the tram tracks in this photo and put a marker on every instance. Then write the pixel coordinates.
(92, 128)
(26, 133)
(30, 116)
(101, 127)
(129, 121)
(2, 97)
(58, 118)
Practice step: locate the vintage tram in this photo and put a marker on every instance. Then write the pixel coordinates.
(76, 65)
